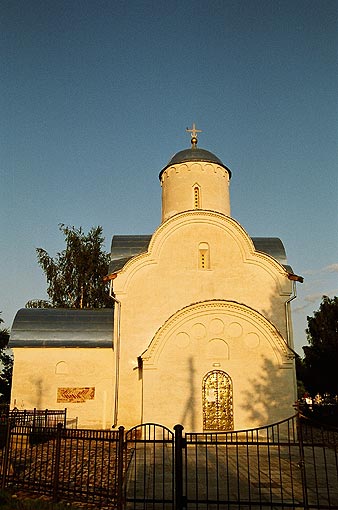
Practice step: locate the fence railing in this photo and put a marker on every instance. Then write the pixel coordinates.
(291, 464)
(68, 464)
(34, 417)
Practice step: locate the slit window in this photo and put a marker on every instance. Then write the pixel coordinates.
(197, 197)
(203, 256)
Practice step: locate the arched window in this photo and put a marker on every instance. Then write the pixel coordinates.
(197, 197)
(203, 256)
(217, 401)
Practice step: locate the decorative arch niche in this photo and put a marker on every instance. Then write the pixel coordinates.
(61, 368)
(233, 323)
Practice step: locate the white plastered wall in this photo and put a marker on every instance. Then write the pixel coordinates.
(153, 286)
(178, 183)
(218, 335)
(65, 368)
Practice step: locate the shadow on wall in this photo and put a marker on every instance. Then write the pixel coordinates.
(38, 393)
(188, 418)
(270, 399)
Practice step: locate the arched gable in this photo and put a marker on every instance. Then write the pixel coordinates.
(235, 329)
(229, 226)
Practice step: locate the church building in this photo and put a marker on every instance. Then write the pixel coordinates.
(199, 332)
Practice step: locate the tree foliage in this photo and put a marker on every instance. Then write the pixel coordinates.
(4, 335)
(75, 275)
(38, 303)
(319, 367)
(6, 366)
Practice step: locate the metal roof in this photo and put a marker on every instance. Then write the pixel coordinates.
(194, 154)
(272, 246)
(61, 327)
(123, 248)
(126, 245)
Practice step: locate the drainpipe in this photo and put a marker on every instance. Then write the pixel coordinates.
(117, 355)
(287, 312)
(294, 278)
(288, 332)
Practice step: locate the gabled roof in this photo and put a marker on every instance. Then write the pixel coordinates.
(123, 248)
(62, 327)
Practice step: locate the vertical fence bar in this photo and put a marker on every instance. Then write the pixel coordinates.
(6, 454)
(302, 460)
(57, 462)
(120, 461)
(179, 445)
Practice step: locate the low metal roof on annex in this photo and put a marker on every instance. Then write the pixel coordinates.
(61, 327)
(123, 248)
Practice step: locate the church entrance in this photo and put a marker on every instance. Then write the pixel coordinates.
(217, 401)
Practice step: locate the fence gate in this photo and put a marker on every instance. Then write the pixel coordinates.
(319, 463)
(256, 468)
(149, 457)
(290, 464)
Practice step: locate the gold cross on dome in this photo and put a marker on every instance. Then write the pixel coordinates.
(193, 132)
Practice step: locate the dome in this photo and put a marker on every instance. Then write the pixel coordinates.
(194, 154)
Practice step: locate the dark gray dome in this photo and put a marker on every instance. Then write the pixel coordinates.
(194, 154)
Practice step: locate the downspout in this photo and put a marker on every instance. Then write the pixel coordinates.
(117, 355)
(294, 278)
(287, 313)
(288, 334)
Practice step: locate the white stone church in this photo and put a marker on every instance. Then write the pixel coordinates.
(200, 328)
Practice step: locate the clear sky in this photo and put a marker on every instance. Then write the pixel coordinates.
(95, 98)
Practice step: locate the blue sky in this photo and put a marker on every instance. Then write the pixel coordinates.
(95, 98)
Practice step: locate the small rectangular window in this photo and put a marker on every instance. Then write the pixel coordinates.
(197, 198)
(203, 256)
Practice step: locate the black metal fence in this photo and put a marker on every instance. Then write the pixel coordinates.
(150, 470)
(35, 417)
(67, 464)
(291, 464)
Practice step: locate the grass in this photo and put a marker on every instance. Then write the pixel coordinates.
(13, 502)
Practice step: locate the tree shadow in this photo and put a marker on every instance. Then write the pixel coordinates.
(269, 399)
(189, 418)
(38, 393)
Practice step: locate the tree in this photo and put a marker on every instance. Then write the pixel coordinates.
(75, 276)
(321, 355)
(6, 366)
(38, 303)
